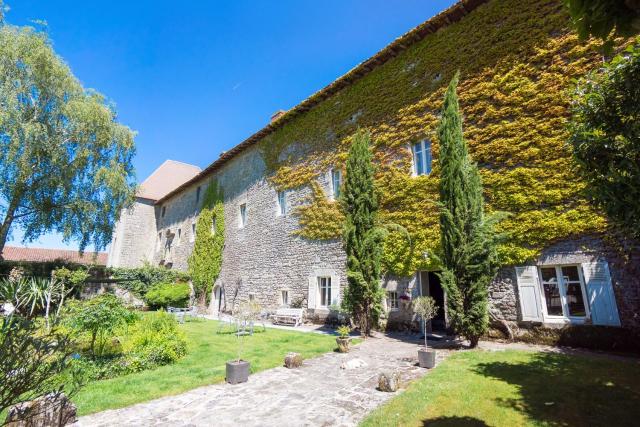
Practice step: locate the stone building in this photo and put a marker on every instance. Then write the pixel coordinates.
(563, 264)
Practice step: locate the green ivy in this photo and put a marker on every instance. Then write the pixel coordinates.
(206, 259)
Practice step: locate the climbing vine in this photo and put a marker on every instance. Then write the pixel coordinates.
(517, 62)
(206, 259)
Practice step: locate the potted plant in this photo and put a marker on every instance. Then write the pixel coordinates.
(426, 308)
(343, 340)
(238, 370)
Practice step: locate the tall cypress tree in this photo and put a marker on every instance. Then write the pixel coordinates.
(468, 240)
(362, 237)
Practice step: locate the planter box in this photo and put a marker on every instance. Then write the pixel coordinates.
(343, 344)
(237, 372)
(426, 358)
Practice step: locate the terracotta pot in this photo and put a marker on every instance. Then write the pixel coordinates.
(237, 372)
(426, 357)
(343, 344)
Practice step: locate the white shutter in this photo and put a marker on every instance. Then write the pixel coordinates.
(335, 290)
(602, 301)
(311, 296)
(529, 292)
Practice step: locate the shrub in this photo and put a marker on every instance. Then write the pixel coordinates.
(168, 295)
(140, 280)
(154, 340)
(98, 317)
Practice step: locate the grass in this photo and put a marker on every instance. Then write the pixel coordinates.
(204, 364)
(516, 388)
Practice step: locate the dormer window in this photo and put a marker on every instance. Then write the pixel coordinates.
(421, 157)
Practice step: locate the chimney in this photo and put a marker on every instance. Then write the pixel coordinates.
(275, 116)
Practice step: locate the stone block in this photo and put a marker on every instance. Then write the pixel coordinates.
(53, 409)
(389, 381)
(293, 360)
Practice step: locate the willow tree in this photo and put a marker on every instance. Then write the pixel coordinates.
(205, 261)
(469, 260)
(362, 237)
(65, 161)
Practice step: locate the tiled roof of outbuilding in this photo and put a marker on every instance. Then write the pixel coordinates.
(19, 254)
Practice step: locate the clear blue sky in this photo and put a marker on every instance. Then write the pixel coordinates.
(195, 78)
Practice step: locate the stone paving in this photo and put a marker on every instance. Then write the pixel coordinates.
(319, 393)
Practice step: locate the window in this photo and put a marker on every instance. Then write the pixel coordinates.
(198, 194)
(179, 236)
(159, 242)
(243, 215)
(324, 286)
(193, 232)
(282, 203)
(284, 297)
(336, 182)
(392, 300)
(563, 290)
(164, 211)
(252, 296)
(421, 158)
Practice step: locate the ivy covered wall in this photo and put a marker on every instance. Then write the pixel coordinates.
(517, 61)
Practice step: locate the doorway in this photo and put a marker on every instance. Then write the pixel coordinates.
(218, 299)
(429, 285)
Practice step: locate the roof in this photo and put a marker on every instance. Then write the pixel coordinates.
(21, 254)
(170, 175)
(448, 16)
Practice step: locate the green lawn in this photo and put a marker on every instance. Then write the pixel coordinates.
(204, 364)
(516, 388)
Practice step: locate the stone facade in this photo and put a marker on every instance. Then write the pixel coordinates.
(266, 261)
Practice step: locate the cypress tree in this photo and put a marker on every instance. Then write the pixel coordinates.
(468, 240)
(362, 237)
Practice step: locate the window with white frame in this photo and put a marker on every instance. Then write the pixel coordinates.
(193, 232)
(392, 300)
(243, 215)
(284, 297)
(282, 203)
(324, 288)
(563, 291)
(421, 157)
(336, 182)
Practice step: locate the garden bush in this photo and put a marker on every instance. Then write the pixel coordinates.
(154, 340)
(98, 318)
(168, 295)
(140, 280)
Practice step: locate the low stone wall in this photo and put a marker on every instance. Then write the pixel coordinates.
(90, 290)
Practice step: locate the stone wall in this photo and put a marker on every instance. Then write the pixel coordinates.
(134, 235)
(263, 257)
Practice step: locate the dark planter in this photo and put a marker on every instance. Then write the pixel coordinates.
(343, 344)
(237, 372)
(426, 357)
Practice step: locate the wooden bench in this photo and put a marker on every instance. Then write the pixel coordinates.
(288, 316)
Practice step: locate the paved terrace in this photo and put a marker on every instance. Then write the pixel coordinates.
(319, 393)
